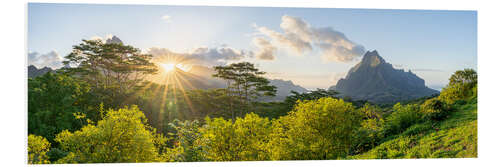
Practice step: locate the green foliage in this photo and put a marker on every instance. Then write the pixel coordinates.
(38, 147)
(434, 109)
(186, 147)
(371, 130)
(402, 117)
(453, 137)
(111, 69)
(462, 85)
(109, 65)
(53, 99)
(245, 139)
(121, 136)
(244, 82)
(292, 99)
(319, 129)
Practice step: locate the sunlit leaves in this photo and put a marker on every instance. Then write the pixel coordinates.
(38, 147)
(121, 136)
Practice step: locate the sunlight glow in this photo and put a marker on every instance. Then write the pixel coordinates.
(168, 67)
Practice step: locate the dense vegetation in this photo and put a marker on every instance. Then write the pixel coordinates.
(104, 111)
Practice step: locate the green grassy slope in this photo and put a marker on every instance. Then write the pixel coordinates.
(454, 137)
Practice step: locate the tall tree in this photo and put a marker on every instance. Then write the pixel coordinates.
(109, 65)
(246, 82)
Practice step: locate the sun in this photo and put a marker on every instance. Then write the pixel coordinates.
(168, 67)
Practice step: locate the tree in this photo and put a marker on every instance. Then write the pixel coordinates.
(246, 82)
(371, 130)
(402, 117)
(466, 76)
(315, 130)
(245, 139)
(462, 84)
(109, 65)
(122, 136)
(313, 95)
(38, 147)
(53, 102)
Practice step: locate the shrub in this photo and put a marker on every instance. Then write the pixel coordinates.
(434, 109)
(245, 139)
(402, 117)
(38, 147)
(317, 129)
(462, 85)
(371, 130)
(122, 136)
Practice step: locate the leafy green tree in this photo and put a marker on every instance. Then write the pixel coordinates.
(462, 85)
(246, 82)
(371, 130)
(38, 147)
(315, 130)
(434, 109)
(53, 102)
(110, 68)
(122, 136)
(402, 117)
(186, 147)
(245, 139)
(466, 76)
(292, 99)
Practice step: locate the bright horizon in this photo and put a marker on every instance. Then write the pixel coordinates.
(309, 46)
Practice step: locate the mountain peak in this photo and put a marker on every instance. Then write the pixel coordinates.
(114, 39)
(377, 81)
(372, 58)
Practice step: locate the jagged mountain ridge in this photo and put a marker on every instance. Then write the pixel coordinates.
(377, 81)
(34, 72)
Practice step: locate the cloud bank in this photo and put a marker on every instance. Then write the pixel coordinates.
(51, 59)
(300, 37)
(266, 49)
(201, 55)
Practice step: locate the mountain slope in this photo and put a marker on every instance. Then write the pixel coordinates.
(377, 81)
(450, 138)
(283, 89)
(34, 72)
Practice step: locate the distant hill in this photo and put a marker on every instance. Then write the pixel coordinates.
(284, 88)
(34, 72)
(377, 81)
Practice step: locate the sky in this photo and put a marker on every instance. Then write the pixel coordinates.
(313, 47)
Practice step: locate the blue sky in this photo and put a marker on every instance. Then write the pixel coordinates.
(433, 44)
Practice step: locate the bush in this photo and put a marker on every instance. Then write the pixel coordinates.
(462, 85)
(122, 136)
(434, 109)
(315, 130)
(371, 130)
(38, 147)
(402, 117)
(244, 140)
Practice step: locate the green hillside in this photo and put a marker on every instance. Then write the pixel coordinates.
(456, 136)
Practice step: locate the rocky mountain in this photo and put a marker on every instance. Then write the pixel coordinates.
(377, 81)
(34, 72)
(283, 89)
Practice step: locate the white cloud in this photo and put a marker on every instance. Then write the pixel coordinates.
(201, 55)
(266, 49)
(51, 59)
(301, 37)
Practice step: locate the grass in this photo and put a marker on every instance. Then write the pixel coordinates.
(454, 137)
